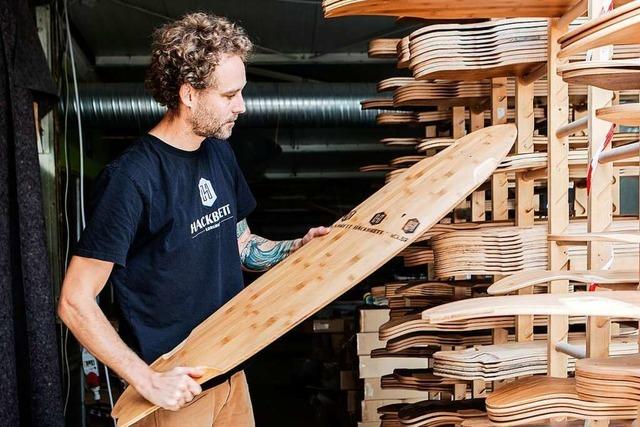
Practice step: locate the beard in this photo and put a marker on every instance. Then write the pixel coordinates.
(206, 123)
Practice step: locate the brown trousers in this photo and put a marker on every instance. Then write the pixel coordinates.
(225, 405)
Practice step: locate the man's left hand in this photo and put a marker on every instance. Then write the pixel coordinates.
(313, 233)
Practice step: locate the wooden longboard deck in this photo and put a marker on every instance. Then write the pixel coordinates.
(624, 304)
(442, 9)
(611, 75)
(530, 278)
(441, 412)
(410, 324)
(623, 114)
(383, 48)
(611, 236)
(319, 272)
(621, 26)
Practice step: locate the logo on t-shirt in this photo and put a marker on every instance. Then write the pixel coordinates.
(207, 195)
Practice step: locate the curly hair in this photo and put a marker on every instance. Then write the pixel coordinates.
(188, 51)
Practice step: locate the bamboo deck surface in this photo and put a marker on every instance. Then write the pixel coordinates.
(315, 275)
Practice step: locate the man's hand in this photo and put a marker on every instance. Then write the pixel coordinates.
(313, 233)
(171, 389)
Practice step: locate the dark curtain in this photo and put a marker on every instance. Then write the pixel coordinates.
(29, 369)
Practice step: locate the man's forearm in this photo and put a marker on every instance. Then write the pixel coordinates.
(92, 329)
(260, 254)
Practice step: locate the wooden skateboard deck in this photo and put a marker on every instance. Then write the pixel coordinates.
(619, 27)
(623, 114)
(509, 250)
(319, 272)
(610, 75)
(383, 48)
(411, 324)
(503, 361)
(530, 278)
(440, 412)
(539, 398)
(625, 304)
(442, 9)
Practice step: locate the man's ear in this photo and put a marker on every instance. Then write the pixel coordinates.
(186, 94)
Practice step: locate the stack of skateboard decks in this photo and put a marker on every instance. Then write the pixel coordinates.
(503, 361)
(398, 118)
(432, 413)
(400, 142)
(415, 324)
(378, 104)
(621, 26)
(611, 380)
(416, 255)
(421, 93)
(540, 398)
(506, 250)
(383, 48)
(419, 379)
(507, 47)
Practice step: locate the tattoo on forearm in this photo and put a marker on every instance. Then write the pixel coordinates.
(241, 227)
(260, 254)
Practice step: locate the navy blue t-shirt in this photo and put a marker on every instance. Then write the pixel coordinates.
(167, 218)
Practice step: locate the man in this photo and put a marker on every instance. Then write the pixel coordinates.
(168, 228)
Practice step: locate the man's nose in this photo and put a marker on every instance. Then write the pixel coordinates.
(239, 107)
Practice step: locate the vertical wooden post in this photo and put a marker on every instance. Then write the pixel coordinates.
(478, 198)
(524, 188)
(600, 200)
(499, 187)
(557, 192)
(458, 131)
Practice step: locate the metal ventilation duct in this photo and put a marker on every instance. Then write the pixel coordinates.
(125, 106)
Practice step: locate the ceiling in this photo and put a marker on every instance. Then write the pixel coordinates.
(117, 28)
(294, 42)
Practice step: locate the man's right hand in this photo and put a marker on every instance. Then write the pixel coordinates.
(172, 389)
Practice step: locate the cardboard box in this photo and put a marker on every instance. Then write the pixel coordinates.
(375, 368)
(367, 341)
(371, 319)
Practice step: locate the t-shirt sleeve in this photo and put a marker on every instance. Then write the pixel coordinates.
(116, 209)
